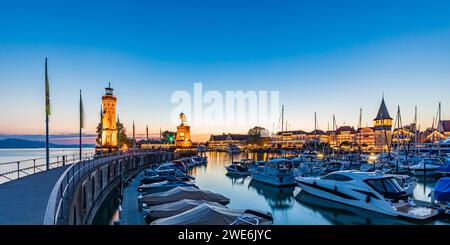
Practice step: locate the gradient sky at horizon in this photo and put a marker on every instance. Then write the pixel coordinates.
(323, 56)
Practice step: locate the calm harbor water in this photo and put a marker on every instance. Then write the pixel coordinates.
(289, 206)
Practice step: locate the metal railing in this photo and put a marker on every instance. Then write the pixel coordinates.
(72, 177)
(18, 169)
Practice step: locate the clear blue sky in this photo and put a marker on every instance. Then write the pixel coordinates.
(324, 56)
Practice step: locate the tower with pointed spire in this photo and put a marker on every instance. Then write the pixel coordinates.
(382, 126)
(109, 126)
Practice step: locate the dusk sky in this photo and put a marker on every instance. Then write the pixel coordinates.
(323, 56)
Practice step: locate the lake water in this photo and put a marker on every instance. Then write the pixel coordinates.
(288, 205)
(14, 155)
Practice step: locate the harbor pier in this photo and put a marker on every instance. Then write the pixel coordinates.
(72, 194)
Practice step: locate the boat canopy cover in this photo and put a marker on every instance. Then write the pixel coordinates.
(180, 193)
(444, 169)
(206, 214)
(442, 190)
(174, 208)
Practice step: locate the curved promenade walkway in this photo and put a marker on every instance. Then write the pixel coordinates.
(24, 201)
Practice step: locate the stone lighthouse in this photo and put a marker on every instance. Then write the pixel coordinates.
(109, 127)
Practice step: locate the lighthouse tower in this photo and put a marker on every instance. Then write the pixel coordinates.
(382, 126)
(109, 129)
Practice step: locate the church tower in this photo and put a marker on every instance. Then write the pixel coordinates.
(382, 125)
(109, 129)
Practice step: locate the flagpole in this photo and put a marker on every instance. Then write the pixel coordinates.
(81, 123)
(47, 112)
(47, 150)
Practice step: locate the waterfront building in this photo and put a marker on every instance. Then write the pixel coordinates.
(424, 136)
(403, 135)
(317, 136)
(382, 125)
(221, 142)
(365, 139)
(440, 133)
(332, 138)
(109, 126)
(183, 136)
(345, 135)
(289, 139)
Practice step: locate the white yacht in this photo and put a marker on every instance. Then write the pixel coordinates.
(427, 166)
(307, 168)
(276, 172)
(407, 182)
(237, 169)
(371, 191)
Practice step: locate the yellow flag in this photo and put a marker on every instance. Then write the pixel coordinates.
(47, 92)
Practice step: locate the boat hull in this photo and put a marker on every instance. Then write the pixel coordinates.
(285, 180)
(374, 205)
(356, 203)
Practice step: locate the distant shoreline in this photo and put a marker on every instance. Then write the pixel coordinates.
(52, 147)
(13, 143)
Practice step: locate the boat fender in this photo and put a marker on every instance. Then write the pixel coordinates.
(335, 189)
(314, 183)
(367, 198)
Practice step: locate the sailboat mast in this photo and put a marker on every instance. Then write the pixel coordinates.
(415, 130)
(282, 118)
(439, 128)
(315, 130)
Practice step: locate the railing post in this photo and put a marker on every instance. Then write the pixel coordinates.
(57, 161)
(34, 166)
(18, 170)
(64, 160)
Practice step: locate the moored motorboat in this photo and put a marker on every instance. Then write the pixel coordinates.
(371, 191)
(277, 172)
(407, 182)
(444, 170)
(180, 193)
(427, 166)
(173, 208)
(207, 214)
(237, 169)
(165, 186)
(160, 178)
(440, 195)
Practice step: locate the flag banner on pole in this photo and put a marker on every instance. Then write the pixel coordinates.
(81, 112)
(47, 92)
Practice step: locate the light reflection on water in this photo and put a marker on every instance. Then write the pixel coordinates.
(287, 205)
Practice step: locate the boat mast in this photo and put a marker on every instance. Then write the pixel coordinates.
(315, 131)
(415, 130)
(439, 128)
(282, 118)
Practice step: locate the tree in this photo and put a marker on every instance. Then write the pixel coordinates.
(123, 139)
(256, 131)
(168, 136)
(254, 136)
